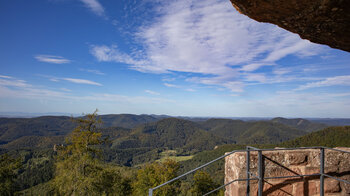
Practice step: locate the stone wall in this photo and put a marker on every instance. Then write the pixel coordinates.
(288, 163)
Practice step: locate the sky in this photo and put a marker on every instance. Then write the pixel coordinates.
(181, 57)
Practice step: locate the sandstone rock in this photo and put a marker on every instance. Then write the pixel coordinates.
(331, 186)
(290, 163)
(324, 21)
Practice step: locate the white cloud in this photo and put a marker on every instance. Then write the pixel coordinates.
(14, 88)
(190, 90)
(73, 80)
(12, 82)
(210, 38)
(7, 77)
(331, 81)
(95, 6)
(81, 81)
(171, 85)
(152, 92)
(281, 71)
(66, 89)
(232, 84)
(94, 71)
(259, 77)
(52, 59)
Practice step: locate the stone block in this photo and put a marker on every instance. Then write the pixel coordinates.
(331, 186)
(290, 163)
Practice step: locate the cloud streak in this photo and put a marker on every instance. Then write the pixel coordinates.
(73, 80)
(52, 59)
(331, 81)
(94, 71)
(15, 88)
(95, 6)
(82, 81)
(152, 92)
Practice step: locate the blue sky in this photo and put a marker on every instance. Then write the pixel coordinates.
(189, 58)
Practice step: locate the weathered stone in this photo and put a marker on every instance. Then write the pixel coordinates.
(297, 158)
(331, 186)
(278, 189)
(290, 163)
(313, 188)
(324, 21)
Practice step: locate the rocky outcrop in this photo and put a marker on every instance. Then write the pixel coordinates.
(290, 163)
(322, 21)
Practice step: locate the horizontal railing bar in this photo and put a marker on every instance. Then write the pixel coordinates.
(253, 148)
(336, 149)
(200, 167)
(278, 177)
(220, 187)
(298, 148)
(347, 182)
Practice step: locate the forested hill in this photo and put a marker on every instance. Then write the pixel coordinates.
(256, 132)
(127, 120)
(146, 139)
(140, 130)
(301, 124)
(171, 133)
(330, 137)
(14, 128)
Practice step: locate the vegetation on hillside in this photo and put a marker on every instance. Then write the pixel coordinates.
(330, 137)
(98, 160)
(8, 173)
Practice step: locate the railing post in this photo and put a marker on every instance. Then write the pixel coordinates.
(261, 173)
(150, 192)
(248, 171)
(322, 172)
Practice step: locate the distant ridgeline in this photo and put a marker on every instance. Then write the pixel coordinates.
(139, 133)
(134, 140)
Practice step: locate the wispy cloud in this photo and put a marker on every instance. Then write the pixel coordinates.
(52, 59)
(171, 85)
(13, 82)
(190, 90)
(331, 81)
(65, 89)
(94, 71)
(7, 77)
(16, 88)
(95, 6)
(208, 38)
(152, 92)
(73, 80)
(81, 81)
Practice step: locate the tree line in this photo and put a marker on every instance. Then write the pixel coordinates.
(80, 170)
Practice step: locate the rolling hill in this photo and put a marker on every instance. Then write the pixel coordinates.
(255, 132)
(171, 133)
(330, 137)
(14, 128)
(301, 124)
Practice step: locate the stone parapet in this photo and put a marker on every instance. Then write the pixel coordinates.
(289, 163)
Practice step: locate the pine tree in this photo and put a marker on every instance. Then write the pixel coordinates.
(79, 170)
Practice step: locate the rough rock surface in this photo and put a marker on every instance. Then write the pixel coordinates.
(290, 163)
(321, 21)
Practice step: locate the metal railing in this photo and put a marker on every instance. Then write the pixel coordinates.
(260, 177)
